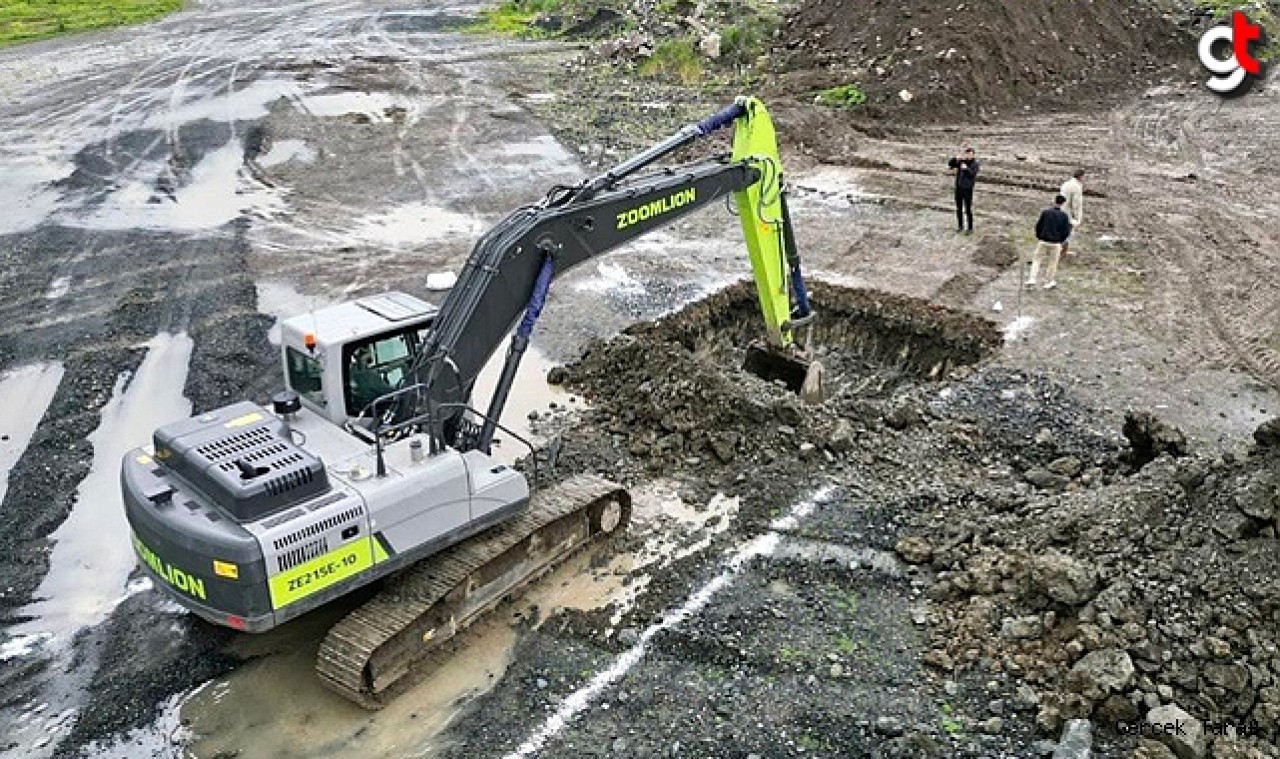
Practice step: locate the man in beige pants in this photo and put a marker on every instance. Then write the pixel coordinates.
(1052, 230)
(1073, 191)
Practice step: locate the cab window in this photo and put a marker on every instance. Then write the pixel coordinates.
(305, 376)
(377, 367)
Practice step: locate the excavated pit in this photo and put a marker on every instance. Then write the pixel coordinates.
(672, 393)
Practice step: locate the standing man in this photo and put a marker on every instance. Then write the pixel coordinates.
(966, 168)
(1073, 191)
(1052, 230)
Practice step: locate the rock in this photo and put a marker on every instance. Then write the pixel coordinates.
(890, 726)
(992, 726)
(1049, 718)
(914, 550)
(709, 45)
(1062, 578)
(1268, 434)
(1025, 698)
(1044, 479)
(628, 636)
(1178, 730)
(724, 446)
(1116, 710)
(541, 683)
(1149, 438)
(938, 658)
(842, 438)
(558, 375)
(1233, 677)
(1076, 742)
(1148, 749)
(1260, 496)
(903, 416)
(1022, 628)
(1101, 673)
(913, 746)
(1066, 466)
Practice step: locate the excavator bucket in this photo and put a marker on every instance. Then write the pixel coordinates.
(800, 375)
(774, 263)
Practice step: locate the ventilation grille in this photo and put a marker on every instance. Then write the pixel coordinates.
(288, 481)
(235, 446)
(319, 528)
(275, 455)
(302, 554)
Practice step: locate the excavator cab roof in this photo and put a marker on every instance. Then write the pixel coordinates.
(356, 320)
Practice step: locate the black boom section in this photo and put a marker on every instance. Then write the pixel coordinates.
(495, 285)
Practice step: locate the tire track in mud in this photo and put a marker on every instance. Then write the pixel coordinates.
(1216, 249)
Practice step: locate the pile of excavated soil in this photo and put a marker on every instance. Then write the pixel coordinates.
(1067, 571)
(984, 58)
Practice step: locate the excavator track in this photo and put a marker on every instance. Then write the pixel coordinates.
(368, 655)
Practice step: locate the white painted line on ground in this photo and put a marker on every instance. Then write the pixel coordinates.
(578, 701)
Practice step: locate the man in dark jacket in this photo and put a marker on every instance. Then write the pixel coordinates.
(1052, 229)
(966, 168)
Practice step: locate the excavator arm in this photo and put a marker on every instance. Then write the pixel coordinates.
(512, 266)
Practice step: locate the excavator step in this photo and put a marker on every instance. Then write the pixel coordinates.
(371, 654)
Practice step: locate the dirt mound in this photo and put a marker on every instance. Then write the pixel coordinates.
(945, 62)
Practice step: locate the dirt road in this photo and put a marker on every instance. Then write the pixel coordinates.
(171, 189)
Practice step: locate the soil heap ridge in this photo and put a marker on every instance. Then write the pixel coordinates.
(986, 58)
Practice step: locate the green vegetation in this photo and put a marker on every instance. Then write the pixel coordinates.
(843, 96)
(514, 18)
(676, 59)
(948, 723)
(745, 41)
(789, 654)
(846, 645)
(27, 20)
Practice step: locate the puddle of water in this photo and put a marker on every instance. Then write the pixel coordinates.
(58, 288)
(282, 300)
(25, 184)
(25, 394)
(529, 392)
(374, 105)
(214, 194)
(285, 151)
(277, 706)
(415, 224)
(250, 102)
(545, 148)
(92, 558)
(158, 739)
(610, 277)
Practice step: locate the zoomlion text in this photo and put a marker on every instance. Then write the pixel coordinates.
(188, 584)
(657, 207)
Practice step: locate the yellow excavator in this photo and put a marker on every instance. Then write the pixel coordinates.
(371, 464)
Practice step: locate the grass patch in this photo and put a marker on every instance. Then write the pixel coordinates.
(514, 18)
(745, 41)
(674, 59)
(843, 96)
(27, 20)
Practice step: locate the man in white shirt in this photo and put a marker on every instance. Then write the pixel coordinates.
(1073, 191)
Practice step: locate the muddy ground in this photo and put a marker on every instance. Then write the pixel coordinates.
(207, 173)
